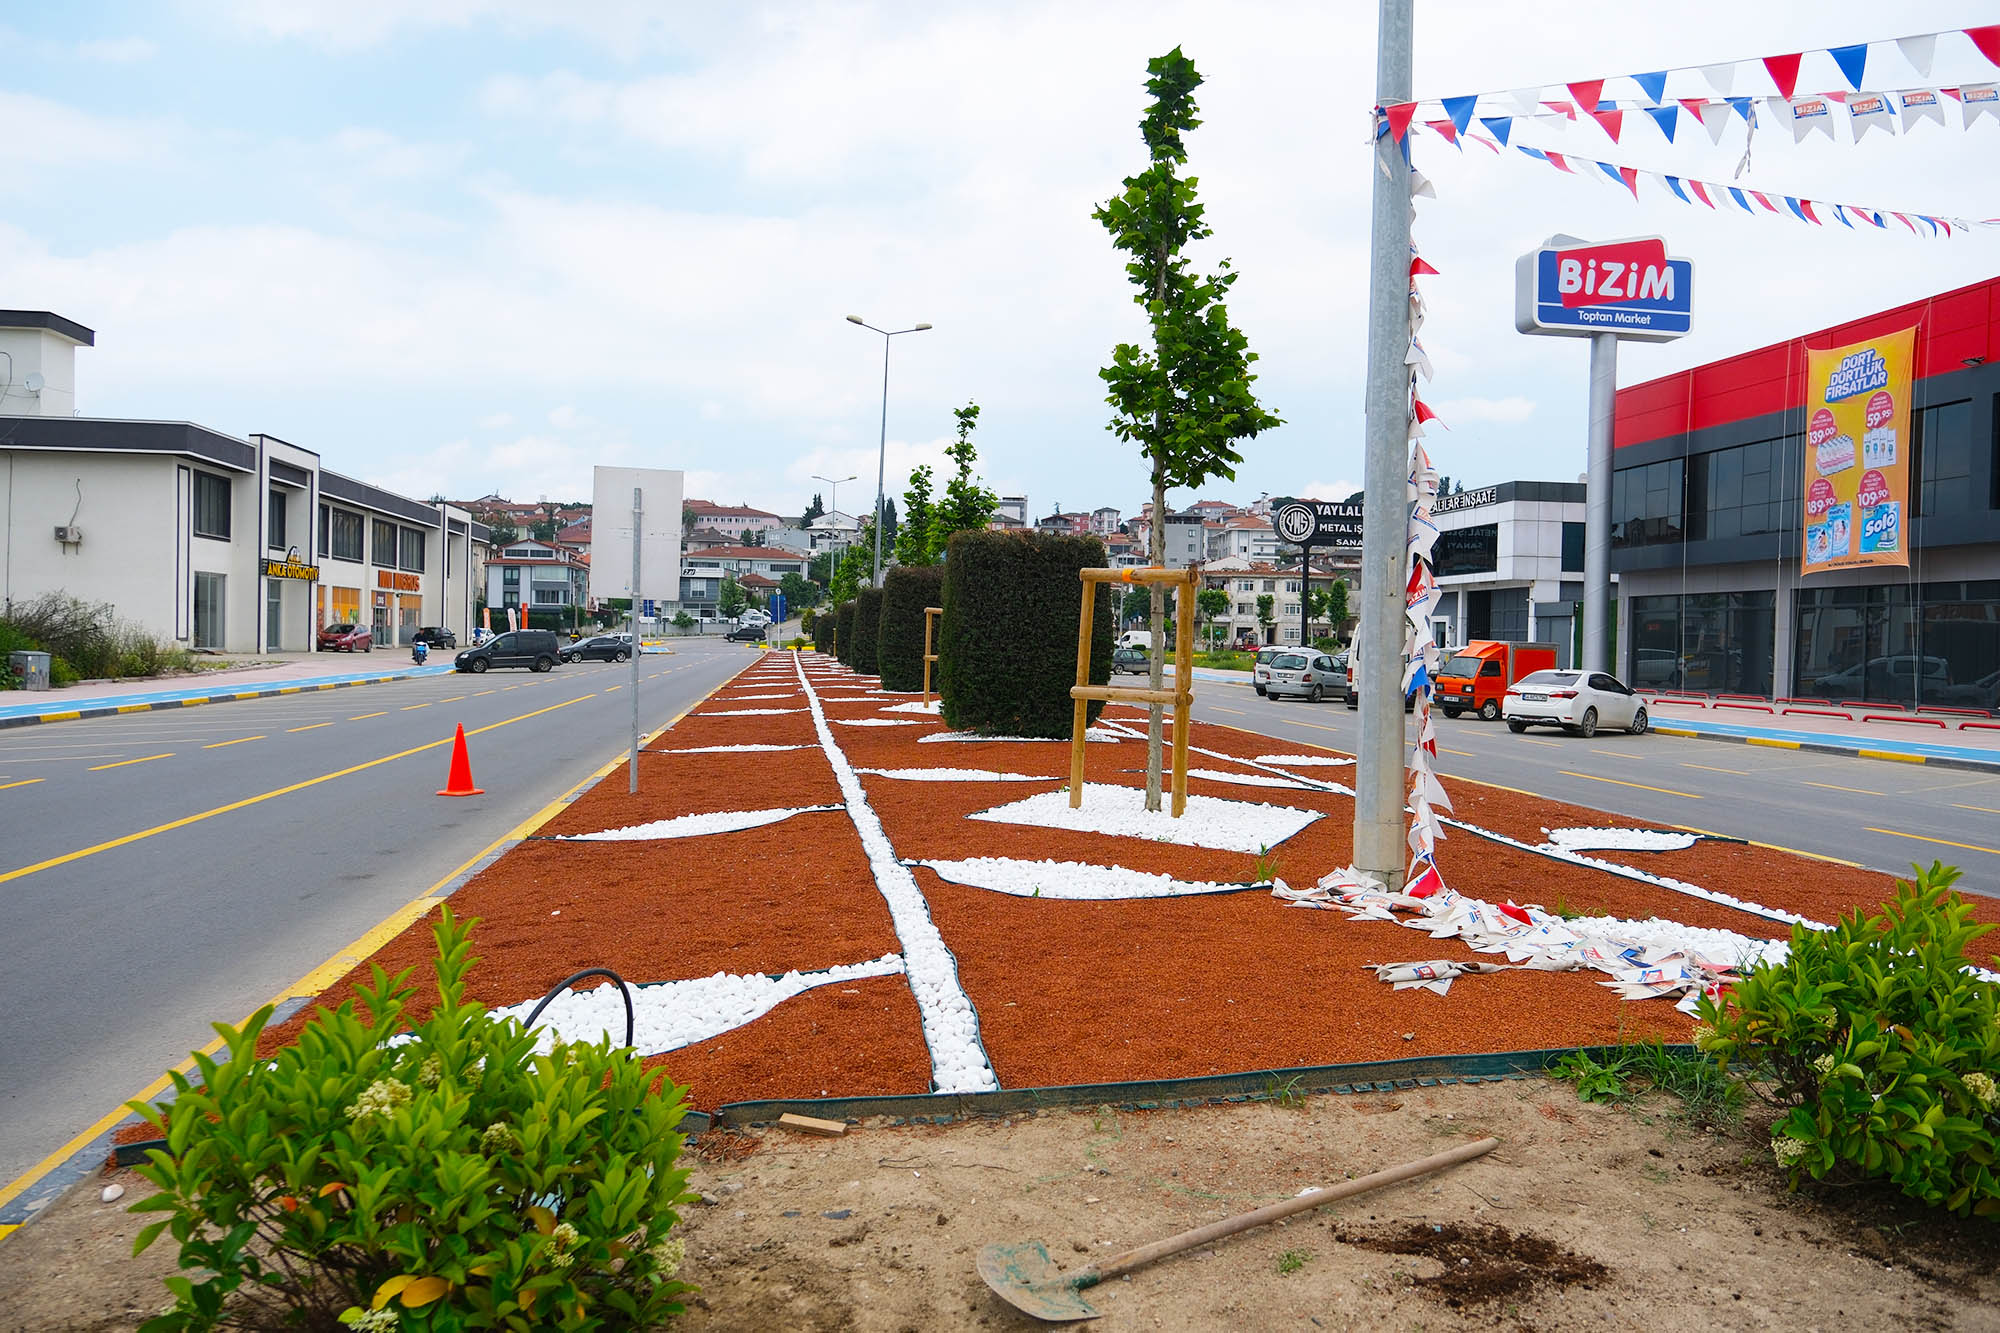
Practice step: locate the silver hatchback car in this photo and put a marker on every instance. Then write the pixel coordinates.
(1308, 675)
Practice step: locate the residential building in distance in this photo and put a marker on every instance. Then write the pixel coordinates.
(1016, 508)
(1247, 580)
(1245, 535)
(1104, 520)
(201, 538)
(537, 576)
(834, 531)
(773, 562)
(736, 520)
(1186, 541)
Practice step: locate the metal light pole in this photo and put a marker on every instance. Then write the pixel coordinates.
(1597, 504)
(834, 547)
(882, 449)
(1379, 848)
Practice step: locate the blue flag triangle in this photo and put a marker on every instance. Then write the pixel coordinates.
(1674, 184)
(1666, 117)
(1737, 195)
(1611, 171)
(1460, 111)
(1654, 85)
(1797, 212)
(1841, 213)
(1501, 126)
(1853, 62)
(1741, 105)
(1535, 153)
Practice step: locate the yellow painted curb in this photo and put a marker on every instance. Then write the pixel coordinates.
(1768, 741)
(1891, 754)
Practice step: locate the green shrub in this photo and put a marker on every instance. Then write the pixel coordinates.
(1881, 1044)
(1007, 639)
(867, 653)
(822, 630)
(807, 619)
(62, 673)
(906, 591)
(843, 633)
(1619, 1073)
(457, 1181)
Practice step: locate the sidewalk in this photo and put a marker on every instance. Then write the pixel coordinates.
(1911, 742)
(274, 673)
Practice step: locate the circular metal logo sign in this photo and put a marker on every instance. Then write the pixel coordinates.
(1297, 523)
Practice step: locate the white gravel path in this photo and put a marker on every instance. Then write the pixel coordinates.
(1077, 880)
(1209, 821)
(695, 826)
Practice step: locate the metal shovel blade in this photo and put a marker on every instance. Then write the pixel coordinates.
(1026, 1278)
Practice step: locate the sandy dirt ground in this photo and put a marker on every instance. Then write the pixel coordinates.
(1586, 1216)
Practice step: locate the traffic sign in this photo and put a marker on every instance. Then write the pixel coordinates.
(1632, 288)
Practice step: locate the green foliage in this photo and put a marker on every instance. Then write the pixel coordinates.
(965, 504)
(906, 591)
(856, 563)
(819, 568)
(1186, 399)
(1267, 608)
(683, 621)
(1266, 867)
(913, 539)
(800, 592)
(1326, 643)
(866, 655)
(731, 600)
(458, 1181)
(1881, 1044)
(86, 641)
(1211, 602)
(1334, 611)
(1007, 639)
(813, 511)
(843, 632)
(823, 626)
(1620, 1073)
(1137, 605)
(1291, 1261)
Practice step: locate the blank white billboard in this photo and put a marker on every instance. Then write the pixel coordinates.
(658, 533)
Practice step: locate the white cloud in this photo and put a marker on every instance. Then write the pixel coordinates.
(1329, 490)
(496, 421)
(1459, 410)
(45, 133)
(118, 50)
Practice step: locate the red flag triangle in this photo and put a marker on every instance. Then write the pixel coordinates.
(1805, 206)
(1763, 199)
(1399, 119)
(1701, 192)
(1445, 128)
(1417, 266)
(1630, 175)
(1586, 93)
(1987, 39)
(1610, 120)
(1567, 110)
(1905, 221)
(1424, 412)
(1784, 72)
(1693, 105)
(1556, 161)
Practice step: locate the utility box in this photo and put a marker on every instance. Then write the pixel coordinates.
(30, 670)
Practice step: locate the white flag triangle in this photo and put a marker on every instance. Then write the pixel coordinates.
(1870, 111)
(1527, 101)
(1810, 115)
(1715, 119)
(1919, 104)
(1980, 99)
(1918, 50)
(1722, 78)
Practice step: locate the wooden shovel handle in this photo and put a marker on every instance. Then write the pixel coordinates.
(1229, 1226)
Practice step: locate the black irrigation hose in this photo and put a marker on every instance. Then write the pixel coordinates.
(561, 986)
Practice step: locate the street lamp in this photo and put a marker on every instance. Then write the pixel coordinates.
(834, 484)
(882, 449)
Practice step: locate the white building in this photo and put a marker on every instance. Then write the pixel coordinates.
(834, 530)
(1016, 508)
(199, 537)
(1104, 520)
(732, 519)
(539, 576)
(1246, 536)
(1510, 561)
(1186, 541)
(770, 561)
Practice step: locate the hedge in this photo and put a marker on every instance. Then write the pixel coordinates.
(867, 657)
(1007, 641)
(823, 629)
(906, 591)
(843, 634)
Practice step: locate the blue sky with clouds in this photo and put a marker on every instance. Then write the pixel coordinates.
(466, 245)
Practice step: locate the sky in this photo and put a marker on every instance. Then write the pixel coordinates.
(461, 246)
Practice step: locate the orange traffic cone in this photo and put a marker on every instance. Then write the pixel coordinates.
(460, 781)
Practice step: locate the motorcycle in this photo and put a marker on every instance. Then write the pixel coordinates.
(420, 652)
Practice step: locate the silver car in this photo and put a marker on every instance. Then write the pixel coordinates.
(1305, 674)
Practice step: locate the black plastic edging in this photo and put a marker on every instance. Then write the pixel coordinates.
(1150, 1094)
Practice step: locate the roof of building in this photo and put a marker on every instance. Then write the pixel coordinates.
(710, 510)
(54, 323)
(752, 553)
(755, 580)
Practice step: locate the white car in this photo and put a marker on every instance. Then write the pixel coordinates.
(1260, 669)
(1580, 702)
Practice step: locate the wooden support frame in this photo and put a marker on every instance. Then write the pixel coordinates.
(1181, 695)
(931, 613)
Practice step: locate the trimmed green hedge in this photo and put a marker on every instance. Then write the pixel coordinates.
(822, 631)
(1007, 639)
(843, 634)
(867, 655)
(906, 591)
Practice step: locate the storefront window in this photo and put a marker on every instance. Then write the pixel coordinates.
(1885, 645)
(1473, 550)
(1646, 504)
(1718, 643)
(1943, 442)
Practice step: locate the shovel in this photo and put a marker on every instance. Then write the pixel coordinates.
(1026, 1278)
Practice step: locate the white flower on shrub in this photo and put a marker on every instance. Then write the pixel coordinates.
(372, 1321)
(382, 1099)
(1703, 1037)
(1824, 1067)
(499, 1138)
(669, 1255)
(1788, 1150)
(431, 1072)
(1983, 1090)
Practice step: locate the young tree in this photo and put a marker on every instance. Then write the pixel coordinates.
(799, 591)
(1336, 606)
(813, 511)
(749, 537)
(1211, 602)
(855, 563)
(683, 621)
(1138, 605)
(1267, 610)
(820, 567)
(913, 538)
(965, 503)
(890, 523)
(731, 600)
(1187, 398)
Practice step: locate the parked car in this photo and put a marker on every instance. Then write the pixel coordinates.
(1260, 669)
(751, 633)
(1138, 661)
(437, 636)
(1893, 678)
(535, 649)
(1477, 676)
(1246, 642)
(1580, 702)
(1308, 675)
(599, 648)
(1136, 638)
(346, 639)
(1981, 693)
(754, 617)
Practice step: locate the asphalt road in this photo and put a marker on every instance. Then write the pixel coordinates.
(1867, 812)
(159, 871)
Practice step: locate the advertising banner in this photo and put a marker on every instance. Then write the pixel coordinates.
(1857, 454)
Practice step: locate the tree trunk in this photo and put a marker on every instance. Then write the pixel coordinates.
(1156, 672)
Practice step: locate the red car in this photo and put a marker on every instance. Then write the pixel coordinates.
(346, 638)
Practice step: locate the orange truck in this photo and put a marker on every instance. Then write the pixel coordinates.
(1476, 678)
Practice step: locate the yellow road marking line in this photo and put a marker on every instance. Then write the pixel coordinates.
(1831, 786)
(1220, 709)
(183, 822)
(609, 688)
(1942, 842)
(147, 759)
(1739, 772)
(477, 693)
(1530, 740)
(314, 727)
(1620, 782)
(365, 716)
(238, 741)
(408, 707)
(454, 699)
(1760, 740)
(1901, 759)
(1614, 754)
(24, 782)
(317, 980)
(1466, 753)
(1983, 809)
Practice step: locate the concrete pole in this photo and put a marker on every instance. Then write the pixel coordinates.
(638, 543)
(1379, 847)
(1597, 504)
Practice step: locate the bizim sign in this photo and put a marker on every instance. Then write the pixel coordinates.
(1631, 288)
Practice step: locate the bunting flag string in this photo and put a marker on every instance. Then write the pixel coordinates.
(1732, 198)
